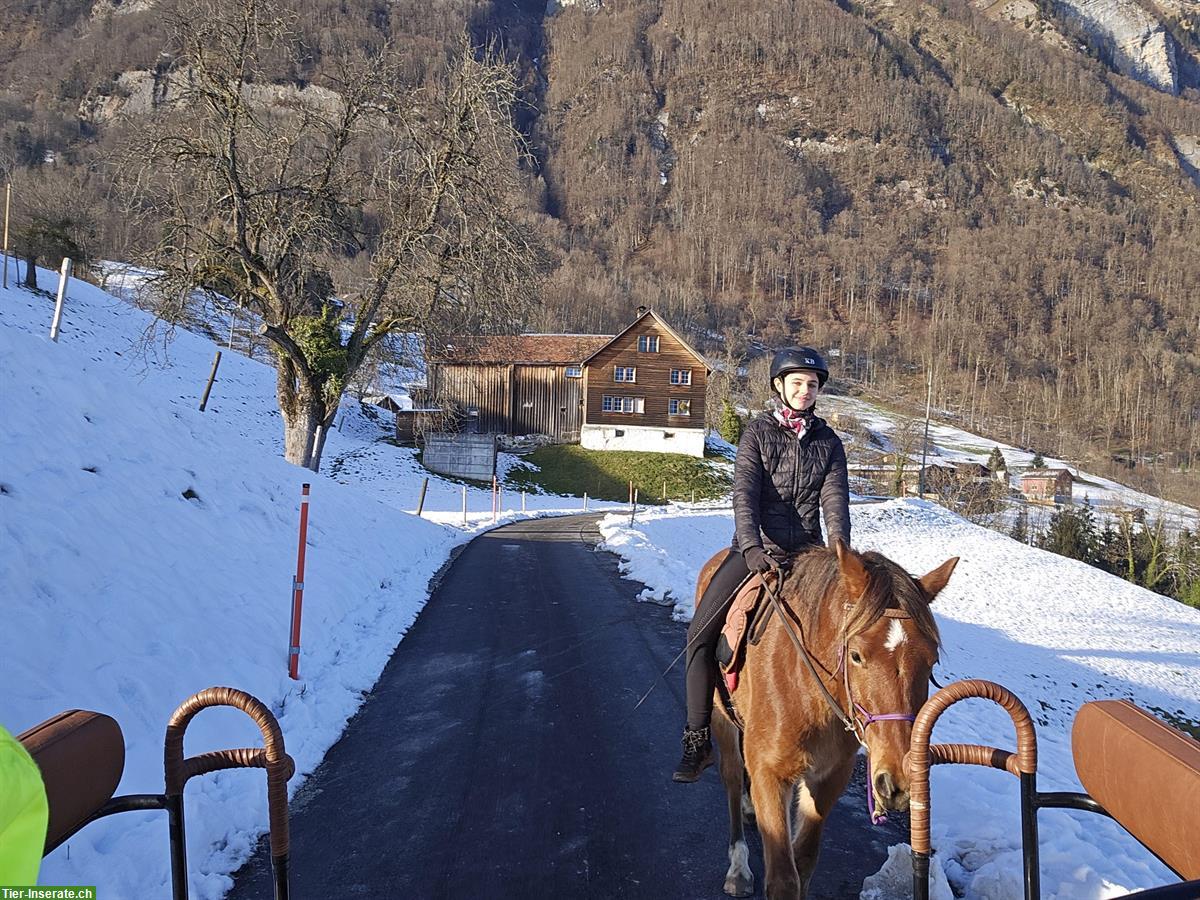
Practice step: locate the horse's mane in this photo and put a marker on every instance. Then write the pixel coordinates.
(814, 576)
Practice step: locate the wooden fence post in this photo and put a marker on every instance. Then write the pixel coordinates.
(63, 277)
(585, 501)
(212, 376)
(421, 499)
(314, 460)
(7, 204)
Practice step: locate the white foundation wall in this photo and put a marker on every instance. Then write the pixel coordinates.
(689, 441)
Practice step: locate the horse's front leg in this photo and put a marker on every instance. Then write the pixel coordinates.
(815, 798)
(739, 880)
(772, 807)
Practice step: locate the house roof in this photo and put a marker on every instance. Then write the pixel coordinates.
(530, 349)
(1046, 473)
(667, 328)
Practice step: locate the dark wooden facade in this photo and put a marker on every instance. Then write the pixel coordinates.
(516, 384)
(652, 378)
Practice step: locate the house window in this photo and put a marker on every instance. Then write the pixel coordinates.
(635, 405)
(574, 372)
(647, 343)
(624, 373)
(681, 376)
(679, 407)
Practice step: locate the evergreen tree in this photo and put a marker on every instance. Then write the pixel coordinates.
(1072, 533)
(996, 462)
(1020, 528)
(1038, 462)
(730, 427)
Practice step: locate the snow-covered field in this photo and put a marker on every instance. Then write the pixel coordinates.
(1055, 631)
(148, 552)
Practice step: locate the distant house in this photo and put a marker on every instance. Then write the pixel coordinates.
(644, 390)
(391, 402)
(1047, 485)
(515, 384)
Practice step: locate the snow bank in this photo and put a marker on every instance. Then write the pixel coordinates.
(1055, 631)
(148, 553)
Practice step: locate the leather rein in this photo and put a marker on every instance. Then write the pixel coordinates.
(857, 719)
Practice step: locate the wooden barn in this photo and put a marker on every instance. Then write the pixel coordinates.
(645, 390)
(515, 384)
(1047, 485)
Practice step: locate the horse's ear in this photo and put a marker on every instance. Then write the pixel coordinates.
(854, 574)
(936, 580)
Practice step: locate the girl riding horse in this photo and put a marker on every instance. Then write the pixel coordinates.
(790, 468)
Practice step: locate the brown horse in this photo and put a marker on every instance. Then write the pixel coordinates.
(867, 628)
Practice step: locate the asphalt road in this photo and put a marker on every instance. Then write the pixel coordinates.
(499, 756)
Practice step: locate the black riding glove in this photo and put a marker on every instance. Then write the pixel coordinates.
(758, 560)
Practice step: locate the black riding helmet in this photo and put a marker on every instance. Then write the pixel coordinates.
(796, 359)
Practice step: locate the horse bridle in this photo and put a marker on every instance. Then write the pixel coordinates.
(858, 719)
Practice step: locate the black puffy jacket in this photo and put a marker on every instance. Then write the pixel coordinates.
(781, 484)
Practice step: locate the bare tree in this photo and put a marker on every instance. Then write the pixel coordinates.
(52, 218)
(398, 201)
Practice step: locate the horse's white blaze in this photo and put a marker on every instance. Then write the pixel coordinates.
(896, 635)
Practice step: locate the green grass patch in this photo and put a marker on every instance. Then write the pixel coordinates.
(605, 474)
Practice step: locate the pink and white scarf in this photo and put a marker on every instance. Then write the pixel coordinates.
(796, 421)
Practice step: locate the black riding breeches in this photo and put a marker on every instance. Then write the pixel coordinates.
(701, 671)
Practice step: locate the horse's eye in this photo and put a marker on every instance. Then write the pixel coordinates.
(856, 658)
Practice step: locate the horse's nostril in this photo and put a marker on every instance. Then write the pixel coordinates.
(890, 794)
(885, 787)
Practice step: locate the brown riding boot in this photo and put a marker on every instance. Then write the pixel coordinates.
(697, 754)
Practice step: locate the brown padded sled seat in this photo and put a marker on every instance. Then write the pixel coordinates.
(81, 755)
(1146, 774)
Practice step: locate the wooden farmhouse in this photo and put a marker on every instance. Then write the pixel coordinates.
(1047, 485)
(645, 391)
(640, 390)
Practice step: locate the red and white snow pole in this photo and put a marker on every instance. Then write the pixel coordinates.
(298, 590)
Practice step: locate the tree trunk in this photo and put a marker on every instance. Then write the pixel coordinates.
(302, 413)
(299, 432)
(31, 273)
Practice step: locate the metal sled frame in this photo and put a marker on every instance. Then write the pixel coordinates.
(1022, 763)
(72, 750)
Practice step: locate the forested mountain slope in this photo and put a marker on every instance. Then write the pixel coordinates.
(1006, 190)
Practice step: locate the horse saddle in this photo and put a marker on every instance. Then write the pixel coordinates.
(744, 623)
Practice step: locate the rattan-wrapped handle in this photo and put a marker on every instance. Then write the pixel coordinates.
(922, 755)
(271, 756)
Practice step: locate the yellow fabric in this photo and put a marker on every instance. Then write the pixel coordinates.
(23, 813)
